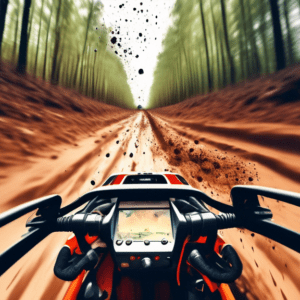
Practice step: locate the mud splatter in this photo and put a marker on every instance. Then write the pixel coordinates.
(274, 282)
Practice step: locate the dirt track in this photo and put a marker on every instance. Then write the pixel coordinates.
(156, 144)
(62, 156)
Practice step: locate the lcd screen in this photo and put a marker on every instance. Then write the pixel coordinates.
(144, 224)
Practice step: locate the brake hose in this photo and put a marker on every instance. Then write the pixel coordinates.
(214, 271)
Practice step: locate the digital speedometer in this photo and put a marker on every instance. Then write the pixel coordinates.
(144, 234)
(144, 224)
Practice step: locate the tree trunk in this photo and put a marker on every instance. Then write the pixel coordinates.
(58, 68)
(277, 31)
(76, 71)
(201, 68)
(85, 41)
(56, 45)
(262, 9)
(217, 44)
(16, 35)
(242, 61)
(228, 50)
(21, 68)
(206, 46)
(3, 10)
(243, 25)
(38, 43)
(188, 72)
(31, 19)
(251, 36)
(223, 61)
(93, 79)
(87, 73)
(289, 36)
(46, 46)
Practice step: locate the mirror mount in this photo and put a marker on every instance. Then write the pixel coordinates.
(252, 215)
(48, 207)
(259, 219)
(44, 216)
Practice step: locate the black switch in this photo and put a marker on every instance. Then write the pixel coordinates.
(164, 241)
(146, 262)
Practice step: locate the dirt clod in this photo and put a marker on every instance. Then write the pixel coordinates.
(177, 151)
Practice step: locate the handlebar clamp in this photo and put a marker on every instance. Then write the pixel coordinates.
(201, 224)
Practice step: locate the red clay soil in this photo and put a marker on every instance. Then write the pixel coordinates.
(268, 99)
(35, 115)
(214, 145)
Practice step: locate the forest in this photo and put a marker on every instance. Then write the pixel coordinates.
(63, 42)
(210, 45)
(216, 43)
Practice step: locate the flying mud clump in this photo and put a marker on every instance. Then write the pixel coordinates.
(209, 168)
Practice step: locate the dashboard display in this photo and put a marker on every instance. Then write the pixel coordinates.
(144, 224)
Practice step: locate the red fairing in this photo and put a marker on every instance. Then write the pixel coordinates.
(173, 179)
(118, 179)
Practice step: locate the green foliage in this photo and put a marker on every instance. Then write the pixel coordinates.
(238, 36)
(65, 47)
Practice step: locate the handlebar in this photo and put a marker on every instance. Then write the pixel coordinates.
(225, 269)
(199, 223)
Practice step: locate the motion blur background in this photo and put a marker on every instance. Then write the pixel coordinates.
(219, 84)
(184, 48)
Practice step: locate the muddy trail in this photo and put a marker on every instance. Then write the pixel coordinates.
(71, 152)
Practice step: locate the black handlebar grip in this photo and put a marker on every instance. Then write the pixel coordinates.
(68, 269)
(213, 271)
(81, 223)
(227, 220)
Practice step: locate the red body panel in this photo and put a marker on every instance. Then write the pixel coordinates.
(118, 179)
(173, 179)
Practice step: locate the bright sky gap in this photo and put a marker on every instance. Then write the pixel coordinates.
(138, 36)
